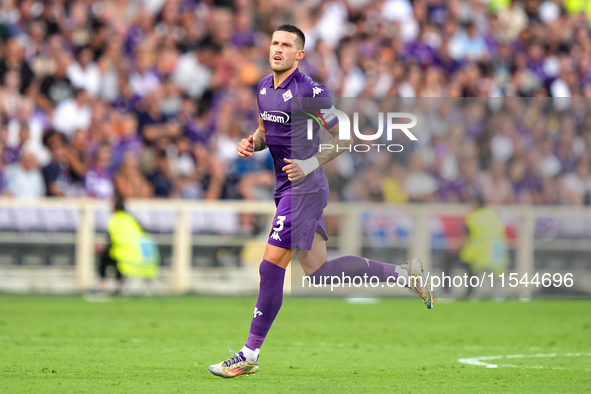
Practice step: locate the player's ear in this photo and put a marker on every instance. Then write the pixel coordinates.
(300, 55)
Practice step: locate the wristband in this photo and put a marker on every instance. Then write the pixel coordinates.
(307, 165)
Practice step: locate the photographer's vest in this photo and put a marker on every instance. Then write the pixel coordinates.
(486, 246)
(132, 249)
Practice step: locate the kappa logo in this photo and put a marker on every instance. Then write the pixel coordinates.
(263, 91)
(316, 90)
(287, 95)
(275, 236)
(256, 313)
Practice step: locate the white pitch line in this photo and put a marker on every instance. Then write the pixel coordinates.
(482, 361)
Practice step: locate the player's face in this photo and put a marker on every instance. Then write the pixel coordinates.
(283, 52)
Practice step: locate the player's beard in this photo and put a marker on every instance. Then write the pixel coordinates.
(283, 66)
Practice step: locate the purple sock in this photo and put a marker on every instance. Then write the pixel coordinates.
(350, 266)
(268, 303)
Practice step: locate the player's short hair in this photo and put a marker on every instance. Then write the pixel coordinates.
(300, 39)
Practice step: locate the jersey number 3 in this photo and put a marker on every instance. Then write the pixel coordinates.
(280, 220)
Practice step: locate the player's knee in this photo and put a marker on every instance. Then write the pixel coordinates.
(277, 255)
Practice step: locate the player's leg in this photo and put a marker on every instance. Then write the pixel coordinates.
(272, 273)
(276, 258)
(270, 298)
(311, 260)
(316, 266)
(310, 233)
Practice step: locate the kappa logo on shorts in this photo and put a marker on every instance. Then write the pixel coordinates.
(275, 236)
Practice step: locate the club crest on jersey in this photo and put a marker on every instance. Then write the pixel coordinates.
(287, 95)
(263, 91)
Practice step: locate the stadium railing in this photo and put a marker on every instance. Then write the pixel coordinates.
(51, 234)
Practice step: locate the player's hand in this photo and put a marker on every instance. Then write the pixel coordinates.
(293, 170)
(245, 147)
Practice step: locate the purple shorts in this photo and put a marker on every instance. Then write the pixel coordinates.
(297, 219)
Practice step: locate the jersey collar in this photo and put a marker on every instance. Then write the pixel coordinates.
(287, 80)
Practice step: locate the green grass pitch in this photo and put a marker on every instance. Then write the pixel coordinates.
(164, 345)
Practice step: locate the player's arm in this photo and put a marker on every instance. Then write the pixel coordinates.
(297, 169)
(259, 137)
(337, 146)
(254, 143)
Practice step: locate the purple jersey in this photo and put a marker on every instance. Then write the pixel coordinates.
(98, 184)
(282, 131)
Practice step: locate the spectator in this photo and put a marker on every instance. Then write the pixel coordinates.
(127, 139)
(25, 131)
(419, 186)
(156, 128)
(55, 174)
(468, 44)
(84, 72)
(393, 185)
(143, 80)
(73, 114)
(57, 87)
(496, 188)
(10, 97)
(24, 179)
(130, 182)
(445, 62)
(97, 180)
(193, 71)
(13, 149)
(577, 185)
(109, 65)
(186, 172)
(13, 59)
(512, 21)
(127, 100)
(76, 153)
(162, 179)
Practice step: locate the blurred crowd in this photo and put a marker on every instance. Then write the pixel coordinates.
(149, 98)
(509, 150)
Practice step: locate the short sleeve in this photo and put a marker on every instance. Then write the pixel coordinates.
(321, 99)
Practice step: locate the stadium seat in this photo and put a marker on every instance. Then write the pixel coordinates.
(27, 219)
(6, 224)
(144, 217)
(101, 218)
(197, 222)
(56, 219)
(165, 221)
(224, 222)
